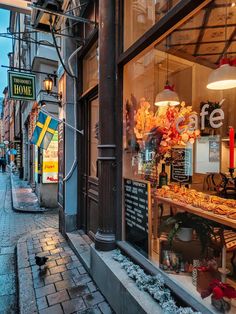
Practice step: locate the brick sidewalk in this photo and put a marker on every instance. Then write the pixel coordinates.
(63, 286)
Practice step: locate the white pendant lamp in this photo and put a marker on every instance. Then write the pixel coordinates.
(224, 77)
(167, 97)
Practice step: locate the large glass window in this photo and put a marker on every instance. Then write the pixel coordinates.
(94, 118)
(178, 140)
(141, 15)
(90, 68)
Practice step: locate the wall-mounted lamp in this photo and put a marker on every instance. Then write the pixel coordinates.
(48, 84)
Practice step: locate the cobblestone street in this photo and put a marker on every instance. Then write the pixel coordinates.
(12, 226)
(62, 286)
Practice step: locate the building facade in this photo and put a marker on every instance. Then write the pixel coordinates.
(32, 53)
(142, 112)
(122, 69)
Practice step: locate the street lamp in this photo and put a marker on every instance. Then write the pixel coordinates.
(47, 83)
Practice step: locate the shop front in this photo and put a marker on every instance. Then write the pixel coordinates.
(178, 181)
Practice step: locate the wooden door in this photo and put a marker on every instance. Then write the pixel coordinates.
(88, 167)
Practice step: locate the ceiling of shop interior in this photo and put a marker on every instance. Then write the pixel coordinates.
(206, 36)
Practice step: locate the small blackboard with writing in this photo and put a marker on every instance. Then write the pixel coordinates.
(137, 203)
(181, 167)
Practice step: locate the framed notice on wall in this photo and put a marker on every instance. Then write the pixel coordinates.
(137, 204)
(181, 167)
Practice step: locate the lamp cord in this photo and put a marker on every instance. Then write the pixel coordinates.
(226, 22)
(57, 49)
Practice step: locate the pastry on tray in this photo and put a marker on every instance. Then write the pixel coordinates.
(210, 203)
(232, 214)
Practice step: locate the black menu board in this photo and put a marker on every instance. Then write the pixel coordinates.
(181, 167)
(137, 204)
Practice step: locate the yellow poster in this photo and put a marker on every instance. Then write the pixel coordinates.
(50, 161)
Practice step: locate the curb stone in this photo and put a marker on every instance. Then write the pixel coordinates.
(16, 206)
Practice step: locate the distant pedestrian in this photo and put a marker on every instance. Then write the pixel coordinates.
(3, 163)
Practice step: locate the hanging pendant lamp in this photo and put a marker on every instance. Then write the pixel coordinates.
(167, 97)
(224, 77)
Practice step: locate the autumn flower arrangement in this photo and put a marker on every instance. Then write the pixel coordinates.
(171, 124)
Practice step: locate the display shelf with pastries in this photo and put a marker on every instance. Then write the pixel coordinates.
(211, 207)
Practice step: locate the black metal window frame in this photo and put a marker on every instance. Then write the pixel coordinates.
(177, 15)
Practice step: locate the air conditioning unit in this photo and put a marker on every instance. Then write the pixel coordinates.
(40, 19)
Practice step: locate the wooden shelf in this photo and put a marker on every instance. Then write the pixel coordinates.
(198, 211)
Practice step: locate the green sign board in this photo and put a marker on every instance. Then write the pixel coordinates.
(21, 85)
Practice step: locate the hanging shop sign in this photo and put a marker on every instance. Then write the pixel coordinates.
(181, 167)
(50, 161)
(21, 86)
(137, 202)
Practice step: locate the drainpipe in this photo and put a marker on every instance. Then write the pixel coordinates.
(105, 236)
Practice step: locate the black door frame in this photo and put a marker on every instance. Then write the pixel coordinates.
(84, 157)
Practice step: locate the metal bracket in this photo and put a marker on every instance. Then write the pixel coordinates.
(61, 14)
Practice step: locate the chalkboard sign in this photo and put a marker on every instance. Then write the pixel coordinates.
(137, 204)
(181, 167)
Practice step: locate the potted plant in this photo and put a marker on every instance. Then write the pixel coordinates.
(183, 224)
(221, 294)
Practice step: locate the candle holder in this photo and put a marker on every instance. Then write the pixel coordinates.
(231, 171)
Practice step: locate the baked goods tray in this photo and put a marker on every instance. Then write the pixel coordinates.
(222, 219)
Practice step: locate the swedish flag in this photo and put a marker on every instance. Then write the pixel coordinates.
(44, 130)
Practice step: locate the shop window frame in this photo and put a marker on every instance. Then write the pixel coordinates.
(180, 13)
(184, 10)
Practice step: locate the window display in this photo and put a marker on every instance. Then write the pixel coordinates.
(180, 141)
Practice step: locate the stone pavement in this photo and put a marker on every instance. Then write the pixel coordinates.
(12, 226)
(8, 290)
(62, 285)
(65, 277)
(23, 198)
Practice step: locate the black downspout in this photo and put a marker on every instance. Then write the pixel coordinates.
(21, 169)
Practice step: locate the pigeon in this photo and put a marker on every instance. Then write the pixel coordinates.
(41, 260)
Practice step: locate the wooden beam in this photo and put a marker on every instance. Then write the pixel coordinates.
(191, 58)
(203, 27)
(227, 45)
(202, 31)
(202, 43)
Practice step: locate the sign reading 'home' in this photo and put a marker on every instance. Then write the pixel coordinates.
(21, 86)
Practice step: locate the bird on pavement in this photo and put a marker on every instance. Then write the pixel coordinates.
(40, 260)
